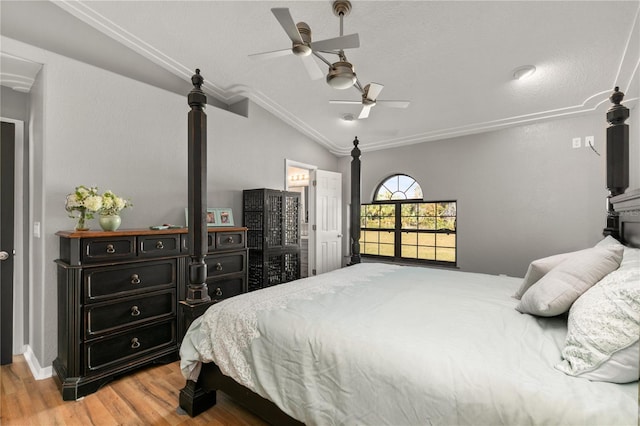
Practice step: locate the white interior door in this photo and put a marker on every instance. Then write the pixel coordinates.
(326, 203)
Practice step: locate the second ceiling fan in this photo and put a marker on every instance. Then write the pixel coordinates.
(370, 94)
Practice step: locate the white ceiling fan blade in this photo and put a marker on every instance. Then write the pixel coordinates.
(272, 54)
(394, 104)
(365, 111)
(350, 41)
(312, 67)
(286, 21)
(345, 102)
(373, 90)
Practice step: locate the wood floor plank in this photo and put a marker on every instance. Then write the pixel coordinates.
(145, 397)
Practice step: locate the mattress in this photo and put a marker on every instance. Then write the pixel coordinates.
(382, 344)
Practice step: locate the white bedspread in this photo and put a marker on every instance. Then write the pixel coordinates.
(379, 344)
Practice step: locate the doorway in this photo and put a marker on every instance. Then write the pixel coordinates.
(321, 221)
(297, 180)
(13, 204)
(7, 200)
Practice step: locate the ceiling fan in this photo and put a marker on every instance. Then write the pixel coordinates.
(302, 46)
(370, 94)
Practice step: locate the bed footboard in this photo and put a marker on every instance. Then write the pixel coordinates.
(199, 396)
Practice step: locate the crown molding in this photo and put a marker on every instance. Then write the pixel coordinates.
(626, 77)
(18, 73)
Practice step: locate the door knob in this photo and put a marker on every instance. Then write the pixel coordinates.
(4, 255)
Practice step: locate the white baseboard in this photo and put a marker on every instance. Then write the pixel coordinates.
(38, 372)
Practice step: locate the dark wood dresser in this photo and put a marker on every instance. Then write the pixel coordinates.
(119, 299)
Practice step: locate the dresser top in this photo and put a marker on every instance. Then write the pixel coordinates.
(141, 231)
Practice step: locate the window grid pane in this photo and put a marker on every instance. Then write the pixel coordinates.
(427, 230)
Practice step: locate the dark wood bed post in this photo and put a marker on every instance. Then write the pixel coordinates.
(355, 203)
(197, 291)
(617, 158)
(193, 399)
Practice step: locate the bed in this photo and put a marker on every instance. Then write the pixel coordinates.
(377, 343)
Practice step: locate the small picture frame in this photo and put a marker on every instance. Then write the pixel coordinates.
(211, 217)
(224, 217)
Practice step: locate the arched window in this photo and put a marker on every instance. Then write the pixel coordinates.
(399, 224)
(398, 187)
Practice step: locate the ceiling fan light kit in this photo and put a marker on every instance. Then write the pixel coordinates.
(304, 48)
(341, 75)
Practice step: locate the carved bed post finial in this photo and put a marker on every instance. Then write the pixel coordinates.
(197, 290)
(355, 202)
(617, 157)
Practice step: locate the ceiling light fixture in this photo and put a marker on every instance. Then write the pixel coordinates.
(523, 72)
(341, 75)
(348, 117)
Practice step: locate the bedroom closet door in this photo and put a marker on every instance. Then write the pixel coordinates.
(326, 197)
(7, 168)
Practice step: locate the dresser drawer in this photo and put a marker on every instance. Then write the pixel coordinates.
(159, 245)
(211, 242)
(126, 347)
(229, 240)
(223, 289)
(222, 264)
(108, 249)
(108, 316)
(122, 280)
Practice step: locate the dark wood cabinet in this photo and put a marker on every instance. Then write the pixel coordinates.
(119, 299)
(273, 234)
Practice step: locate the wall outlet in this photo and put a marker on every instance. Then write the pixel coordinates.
(589, 142)
(36, 229)
(577, 142)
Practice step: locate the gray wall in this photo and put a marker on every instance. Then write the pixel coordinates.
(93, 127)
(14, 104)
(522, 193)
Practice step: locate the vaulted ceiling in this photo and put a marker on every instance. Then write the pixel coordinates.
(453, 60)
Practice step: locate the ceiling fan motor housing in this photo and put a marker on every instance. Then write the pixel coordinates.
(303, 49)
(341, 75)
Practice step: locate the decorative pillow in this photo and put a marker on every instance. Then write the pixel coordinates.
(603, 339)
(539, 268)
(608, 241)
(554, 293)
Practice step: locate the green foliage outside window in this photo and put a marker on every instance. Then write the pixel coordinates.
(410, 230)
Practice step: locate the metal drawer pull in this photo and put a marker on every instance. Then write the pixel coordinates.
(135, 279)
(159, 245)
(135, 311)
(230, 240)
(218, 291)
(135, 344)
(218, 266)
(111, 249)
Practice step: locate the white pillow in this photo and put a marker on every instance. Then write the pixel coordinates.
(608, 241)
(539, 268)
(603, 339)
(554, 293)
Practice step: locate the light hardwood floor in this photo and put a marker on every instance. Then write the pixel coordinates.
(146, 397)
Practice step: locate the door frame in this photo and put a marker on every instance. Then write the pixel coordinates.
(19, 235)
(311, 206)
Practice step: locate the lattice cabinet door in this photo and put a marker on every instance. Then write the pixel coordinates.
(273, 221)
